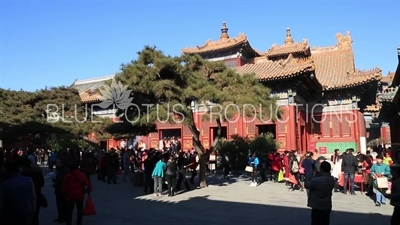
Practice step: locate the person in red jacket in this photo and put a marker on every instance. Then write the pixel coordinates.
(276, 164)
(286, 165)
(74, 187)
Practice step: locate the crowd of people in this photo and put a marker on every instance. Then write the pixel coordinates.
(22, 180)
(320, 177)
(166, 169)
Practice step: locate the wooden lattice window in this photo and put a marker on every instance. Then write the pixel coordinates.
(316, 125)
(346, 126)
(186, 131)
(206, 127)
(281, 127)
(232, 129)
(251, 126)
(230, 63)
(326, 130)
(335, 121)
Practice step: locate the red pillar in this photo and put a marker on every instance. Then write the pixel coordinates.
(291, 137)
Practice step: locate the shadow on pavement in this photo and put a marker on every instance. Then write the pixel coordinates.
(232, 213)
(123, 204)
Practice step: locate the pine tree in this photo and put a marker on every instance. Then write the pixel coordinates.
(164, 88)
(56, 110)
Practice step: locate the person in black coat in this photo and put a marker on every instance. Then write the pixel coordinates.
(113, 168)
(149, 164)
(349, 168)
(61, 201)
(170, 175)
(35, 173)
(183, 161)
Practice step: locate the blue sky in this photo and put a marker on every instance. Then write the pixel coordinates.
(52, 43)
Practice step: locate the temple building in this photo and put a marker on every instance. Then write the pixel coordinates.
(323, 95)
(389, 114)
(89, 94)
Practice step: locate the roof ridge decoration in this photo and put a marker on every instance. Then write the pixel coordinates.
(388, 78)
(368, 71)
(287, 60)
(224, 42)
(224, 32)
(387, 94)
(93, 80)
(289, 47)
(335, 66)
(344, 42)
(288, 40)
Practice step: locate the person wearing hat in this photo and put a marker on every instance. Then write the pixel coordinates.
(379, 170)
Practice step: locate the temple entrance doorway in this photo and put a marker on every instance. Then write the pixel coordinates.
(168, 133)
(214, 130)
(268, 128)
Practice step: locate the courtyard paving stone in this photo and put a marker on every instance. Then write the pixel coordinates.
(232, 202)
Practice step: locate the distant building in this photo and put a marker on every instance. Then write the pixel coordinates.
(321, 92)
(389, 114)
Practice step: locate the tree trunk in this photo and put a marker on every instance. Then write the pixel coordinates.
(198, 146)
(202, 173)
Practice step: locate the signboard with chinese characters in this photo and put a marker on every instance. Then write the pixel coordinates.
(280, 95)
(311, 146)
(322, 150)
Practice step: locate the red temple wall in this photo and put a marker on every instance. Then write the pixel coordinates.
(385, 134)
(235, 126)
(294, 130)
(328, 127)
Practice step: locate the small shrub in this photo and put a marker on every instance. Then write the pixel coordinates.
(240, 148)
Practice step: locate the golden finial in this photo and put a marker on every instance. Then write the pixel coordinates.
(224, 32)
(288, 40)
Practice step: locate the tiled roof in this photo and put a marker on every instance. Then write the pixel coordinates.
(387, 95)
(88, 88)
(335, 69)
(275, 70)
(291, 48)
(388, 78)
(211, 46)
(90, 97)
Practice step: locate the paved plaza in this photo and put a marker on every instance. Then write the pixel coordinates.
(232, 202)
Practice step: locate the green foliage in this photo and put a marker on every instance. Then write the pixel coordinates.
(239, 147)
(374, 142)
(61, 142)
(171, 84)
(46, 111)
(264, 143)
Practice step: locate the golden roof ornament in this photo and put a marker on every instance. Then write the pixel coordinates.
(344, 42)
(224, 32)
(288, 40)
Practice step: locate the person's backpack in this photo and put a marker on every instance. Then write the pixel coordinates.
(295, 167)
